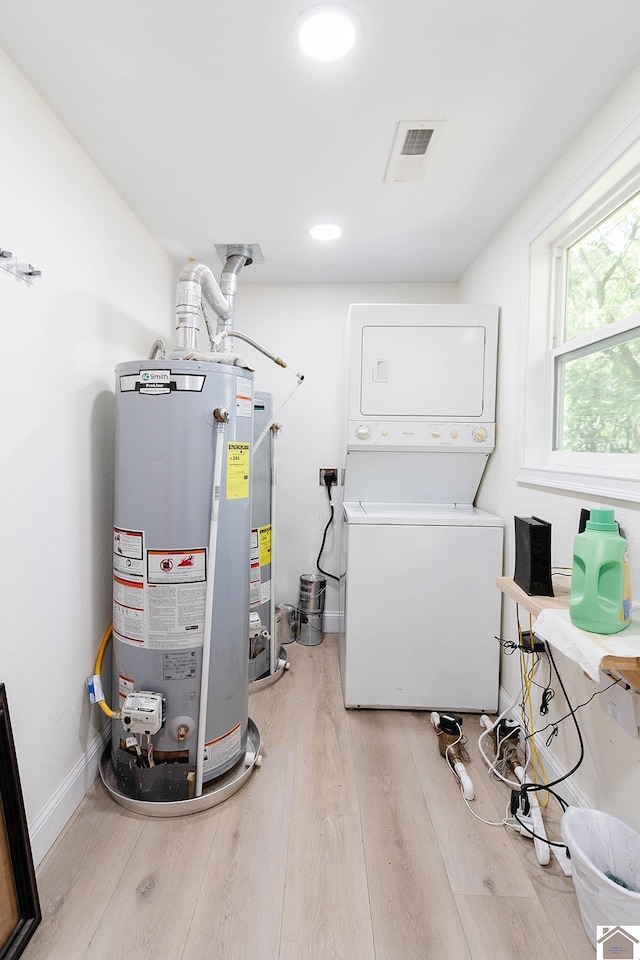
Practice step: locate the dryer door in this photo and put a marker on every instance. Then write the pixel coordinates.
(413, 371)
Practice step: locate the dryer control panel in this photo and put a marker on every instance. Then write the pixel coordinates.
(420, 435)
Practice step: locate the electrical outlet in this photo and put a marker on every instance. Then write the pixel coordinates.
(324, 471)
(621, 703)
(531, 643)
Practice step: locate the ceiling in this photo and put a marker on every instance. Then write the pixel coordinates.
(215, 129)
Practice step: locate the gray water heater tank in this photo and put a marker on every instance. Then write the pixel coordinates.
(261, 583)
(166, 439)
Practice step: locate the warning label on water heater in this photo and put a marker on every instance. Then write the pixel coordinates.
(128, 610)
(127, 551)
(222, 749)
(244, 403)
(176, 566)
(129, 590)
(177, 586)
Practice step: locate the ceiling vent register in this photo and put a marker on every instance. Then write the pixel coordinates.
(412, 150)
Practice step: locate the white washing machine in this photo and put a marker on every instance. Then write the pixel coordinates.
(421, 609)
(420, 605)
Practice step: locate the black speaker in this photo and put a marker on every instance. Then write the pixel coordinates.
(533, 556)
(585, 515)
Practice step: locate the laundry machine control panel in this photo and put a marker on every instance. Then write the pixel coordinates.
(412, 434)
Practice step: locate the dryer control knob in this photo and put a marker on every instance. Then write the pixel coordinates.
(363, 432)
(480, 434)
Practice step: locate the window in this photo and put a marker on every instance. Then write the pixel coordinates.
(597, 363)
(582, 381)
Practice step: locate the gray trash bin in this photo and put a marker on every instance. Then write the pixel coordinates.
(600, 845)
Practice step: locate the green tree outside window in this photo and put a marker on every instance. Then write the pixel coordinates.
(599, 403)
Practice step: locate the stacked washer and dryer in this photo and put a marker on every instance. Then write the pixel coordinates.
(419, 602)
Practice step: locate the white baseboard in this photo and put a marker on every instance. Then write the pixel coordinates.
(52, 819)
(567, 789)
(332, 622)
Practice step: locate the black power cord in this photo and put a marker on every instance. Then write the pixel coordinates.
(330, 479)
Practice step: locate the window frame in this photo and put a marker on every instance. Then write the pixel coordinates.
(611, 180)
(585, 345)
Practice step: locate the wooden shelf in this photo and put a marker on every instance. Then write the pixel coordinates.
(628, 667)
(535, 605)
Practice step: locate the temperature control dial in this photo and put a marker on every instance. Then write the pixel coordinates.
(480, 434)
(363, 432)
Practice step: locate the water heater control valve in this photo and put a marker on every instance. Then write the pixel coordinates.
(143, 712)
(255, 625)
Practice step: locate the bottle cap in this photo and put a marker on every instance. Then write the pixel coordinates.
(602, 520)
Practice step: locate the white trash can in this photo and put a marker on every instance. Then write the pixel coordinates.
(599, 844)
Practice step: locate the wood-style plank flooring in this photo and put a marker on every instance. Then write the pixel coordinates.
(351, 842)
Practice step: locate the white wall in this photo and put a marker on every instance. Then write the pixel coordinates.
(106, 292)
(609, 777)
(305, 324)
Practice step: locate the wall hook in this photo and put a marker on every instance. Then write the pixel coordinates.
(18, 268)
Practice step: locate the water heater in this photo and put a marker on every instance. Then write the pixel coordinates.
(260, 577)
(166, 442)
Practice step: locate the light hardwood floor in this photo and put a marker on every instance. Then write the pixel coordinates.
(351, 842)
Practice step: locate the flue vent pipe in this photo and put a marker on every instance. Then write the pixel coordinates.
(195, 284)
(237, 258)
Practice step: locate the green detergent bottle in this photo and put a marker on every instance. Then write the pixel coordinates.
(600, 598)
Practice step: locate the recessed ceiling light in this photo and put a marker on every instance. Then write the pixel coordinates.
(325, 231)
(327, 32)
